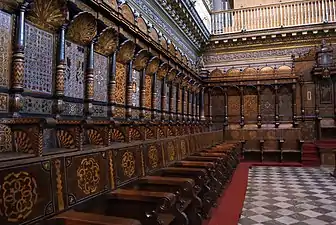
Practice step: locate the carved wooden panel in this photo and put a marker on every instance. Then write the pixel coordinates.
(128, 163)
(174, 98)
(154, 156)
(267, 105)
(25, 193)
(250, 107)
(75, 69)
(73, 109)
(5, 138)
(234, 108)
(308, 130)
(100, 77)
(309, 98)
(86, 176)
(37, 105)
(218, 107)
(5, 47)
(180, 105)
(120, 83)
(148, 91)
(285, 104)
(99, 110)
(39, 51)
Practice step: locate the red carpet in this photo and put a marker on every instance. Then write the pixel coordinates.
(310, 155)
(232, 200)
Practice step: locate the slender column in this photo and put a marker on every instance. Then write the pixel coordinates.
(189, 110)
(129, 89)
(89, 83)
(183, 111)
(142, 94)
(242, 117)
(197, 115)
(112, 85)
(210, 106)
(171, 99)
(317, 110)
(192, 116)
(153, 103)
(18, 63)
(163, 98)
(60, 73)
(259, 118)
(294, 105)
(201, 104)
(226, 118)
(276, 106)
(301, 98)
(177, 101)
(334, 97)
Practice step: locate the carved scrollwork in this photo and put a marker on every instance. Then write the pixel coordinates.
(141, 60)
(128, 164)
(126, 51)
(153, 65)
(65, 139)
(82, 28)
(107, 42)
(18, 195)
(161, 133)
(117, 136)
(49, 15)
(163, 70)
(134, 134)
(95, 137)
(88, 175)
(23, 142)
(153, 156)
(171, 151)
(149, 133)
(183, 148)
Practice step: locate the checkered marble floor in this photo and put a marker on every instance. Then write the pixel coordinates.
(289, 195)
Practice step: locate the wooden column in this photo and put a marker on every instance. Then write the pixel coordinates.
(259, 117)
(163, 99)
(60, 74)
(177, 101)
(142, 94)
(276, 117)
(153, 103)
(112, 85)
(192, 116)
(226, 118)
(183, 103)
(210, 106)
(89, 83)
(301, 82)
(18, 63)
(129, 89)
(242, 117)
(189, 112)
(171, 99)
(294, 113)
(201, 104)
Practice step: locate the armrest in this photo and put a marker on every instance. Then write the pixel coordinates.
(195, 163)
(211, 154)
(203, 158)
(82, 218)
(167, 181)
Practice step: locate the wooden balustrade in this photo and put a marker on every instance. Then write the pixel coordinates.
(271, 16)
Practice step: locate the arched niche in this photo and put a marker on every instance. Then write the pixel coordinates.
(163, 70)
(216, 73)
(233, 93)
(153, 65)
(112, 3)
(107, 41)
(267, 70)
(141, 59)
(250, 99)
(250, 71)
(127, 12)
(284, 70)
(82, 29)
(285, 103)
(233, 72)
(48, 15)
(218, 104)
(154, 34)
(172, 74)
(142, 25)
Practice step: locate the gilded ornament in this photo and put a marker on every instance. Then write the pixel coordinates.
(183, 148)
(95, 137)
(5, 139)
(65, 139)
(134, 134)
(18, 195)
(107, 42)
(128, 164)
(59, 185)
(120, 90)
(23, 142)
(141, 60)
(153, 65)
(148, 91)
(216, 73)
(82, 29)
(111, 166)
(171, 151)
(49, 15)
(88, 175)
(163, 70)
(153, 157)
(126, 52)
(117, 136)
(149, 133)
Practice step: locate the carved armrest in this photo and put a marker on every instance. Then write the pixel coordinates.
(195, 164)
(82, 218)
(185, 183)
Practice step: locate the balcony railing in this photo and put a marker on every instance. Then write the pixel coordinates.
(273, 16)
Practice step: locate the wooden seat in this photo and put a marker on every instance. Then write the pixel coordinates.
(83, 218)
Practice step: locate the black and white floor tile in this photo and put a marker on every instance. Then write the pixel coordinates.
(289, 195)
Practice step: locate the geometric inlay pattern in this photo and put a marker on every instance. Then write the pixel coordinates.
(136, 88)
(5, 47)
(75, 68)
(100, 77)
(158, 94)
(37, 105)
(39, 50)
(289, 195)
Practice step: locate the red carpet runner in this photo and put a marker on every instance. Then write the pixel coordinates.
(310, 155)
